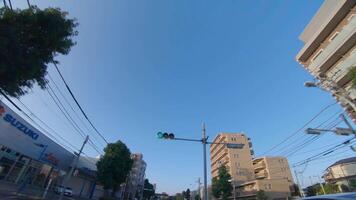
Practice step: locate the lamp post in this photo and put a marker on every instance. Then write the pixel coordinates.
(331, 86)
(233, 187)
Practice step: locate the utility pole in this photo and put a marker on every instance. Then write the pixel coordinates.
(299, 186)
(74, 165)
(321, 185)
(199, 186)
(204, 140)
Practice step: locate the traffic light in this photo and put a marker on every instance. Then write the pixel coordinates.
(167, 136)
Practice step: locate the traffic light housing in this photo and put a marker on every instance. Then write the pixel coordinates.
(167, 136)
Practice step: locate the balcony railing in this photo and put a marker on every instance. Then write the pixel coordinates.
(261, 175)
(345, 34)
(259, 166)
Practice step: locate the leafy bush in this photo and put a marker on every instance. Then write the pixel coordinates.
(29, 41)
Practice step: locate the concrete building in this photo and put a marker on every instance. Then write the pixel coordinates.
(237, 161)
(270, 174)
(273, 188)
(276, 168)
(329, 50)
(136, 179)
(342, 172)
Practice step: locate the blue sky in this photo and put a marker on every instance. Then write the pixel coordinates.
(140, 67)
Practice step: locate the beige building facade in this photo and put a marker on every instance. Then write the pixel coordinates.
(329, 51)
(237, 161)
(250, 175)
(342, 172)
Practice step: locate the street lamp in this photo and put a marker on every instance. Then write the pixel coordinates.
(234, 187)
(331, 86)
(338, 131)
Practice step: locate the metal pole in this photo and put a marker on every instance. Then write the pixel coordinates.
(299, 187)
(233, 185)
(321, 185)
(347, 123)
(204, 157)
(75, 162)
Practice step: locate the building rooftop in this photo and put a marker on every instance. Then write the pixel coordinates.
(344, 161)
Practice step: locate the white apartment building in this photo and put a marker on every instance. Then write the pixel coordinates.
(329, 50)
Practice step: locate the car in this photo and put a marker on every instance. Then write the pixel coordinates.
(340, 196)
(66, 191)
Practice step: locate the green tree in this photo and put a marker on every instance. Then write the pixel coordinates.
(331, 188)
(221, 186)
(352, 75)
(197, 197)
(114, 166)
(353, 184)
(261, 195)
(178, 196)
(29, 41)
(148, 190)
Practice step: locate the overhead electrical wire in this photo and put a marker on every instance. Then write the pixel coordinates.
(79, 106)
(326, 152)
(300, 129)
(311, 139)
(73, 110)
(292, 145)
(71, 147)
(65, 113)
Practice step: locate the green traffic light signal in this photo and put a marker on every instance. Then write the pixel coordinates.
(159, 135)
(167, 136)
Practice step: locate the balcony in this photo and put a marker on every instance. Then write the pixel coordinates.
(261, 175)
(344, 41)
(259, 166)
(340, 70)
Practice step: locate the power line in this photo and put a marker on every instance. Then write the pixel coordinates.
(71, 107)
(301, 128)
(85, 115)
(36, 124)
(294, 146)
(51, 129)
(324, 153)
(66, 114)
(313, 138)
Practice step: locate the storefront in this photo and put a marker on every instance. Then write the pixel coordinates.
(26, 154)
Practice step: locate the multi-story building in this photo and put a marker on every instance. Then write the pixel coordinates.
(270, 174)
(133, 189)
(329, 51)
(273, 176)
(237, 161)
(272, 168)
(342, 172)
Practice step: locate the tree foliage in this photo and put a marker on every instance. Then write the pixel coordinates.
(261, 195)
(29, 41)
(148, 191)
(114, 166)
(221, 186)
(352, 75)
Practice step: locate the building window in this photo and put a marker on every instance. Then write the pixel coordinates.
(317, 54)
(333, 36)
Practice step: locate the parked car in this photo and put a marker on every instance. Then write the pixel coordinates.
(341, 196)
(66, 191)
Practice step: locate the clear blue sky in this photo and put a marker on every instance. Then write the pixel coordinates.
(145, 66)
